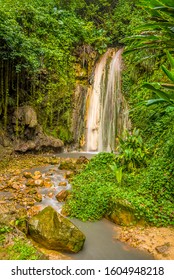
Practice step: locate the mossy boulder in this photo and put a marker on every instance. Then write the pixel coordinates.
(123, 213)
(53, 231)
(68, 164)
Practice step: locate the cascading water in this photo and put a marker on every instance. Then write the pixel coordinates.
(107, 111)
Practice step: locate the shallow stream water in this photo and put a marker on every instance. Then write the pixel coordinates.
(101, 243)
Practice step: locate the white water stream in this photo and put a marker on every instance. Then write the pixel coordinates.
(107, 115)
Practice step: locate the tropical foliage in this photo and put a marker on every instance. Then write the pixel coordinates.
(41, 43)
(142, 171)
(158, 31)
(37, 55)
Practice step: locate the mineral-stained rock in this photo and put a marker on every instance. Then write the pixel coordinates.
(37, 175)
(67, 164)
(82, 159)
(55, 232)
(30, 183)
(38, 197)
(39, 182)
(47, 183)
(62, 195)
(50, 195)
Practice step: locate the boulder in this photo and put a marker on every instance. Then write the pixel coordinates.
(68, 164)
(41, 143)
(53, 231)
(26, 116)
(62, 195)
(82, 160)
(123, 213)
(31, 137)
(63, 184)
(163, 249)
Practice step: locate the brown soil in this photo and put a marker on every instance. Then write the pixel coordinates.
(157, 241)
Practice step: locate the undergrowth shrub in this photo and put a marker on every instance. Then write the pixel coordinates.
(150, 191)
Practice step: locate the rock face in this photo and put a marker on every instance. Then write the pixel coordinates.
(41, 143)
(30, 135)
(25, 135)
(55, 232)
(26, 116)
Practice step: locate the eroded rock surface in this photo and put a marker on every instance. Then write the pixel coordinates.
(55, 232)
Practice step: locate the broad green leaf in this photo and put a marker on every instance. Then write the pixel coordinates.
(169, 74)
(170, 58)
(169, 10)
(153, 26)
(154, 101)
(160, 93)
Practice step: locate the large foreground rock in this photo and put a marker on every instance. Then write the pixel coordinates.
(55, 232)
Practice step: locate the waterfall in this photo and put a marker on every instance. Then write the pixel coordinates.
(107, 110)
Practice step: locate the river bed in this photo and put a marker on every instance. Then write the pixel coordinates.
(101, 242)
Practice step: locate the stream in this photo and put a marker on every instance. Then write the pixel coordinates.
(101, 243)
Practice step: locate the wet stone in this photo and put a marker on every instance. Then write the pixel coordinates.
(39, 182)
(62, 195)
(30, 183)
(62, 184)
(163, 249)
(47, 183)
(69, 174)
(27, 175)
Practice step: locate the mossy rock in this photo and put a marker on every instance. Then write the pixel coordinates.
(123, 213)
(68, 164)
(55, 232)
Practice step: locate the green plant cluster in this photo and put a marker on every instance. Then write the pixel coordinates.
(142, 172)
(21, 250)
(132, 150)
(149, 191)
(92, 189)
(39, 42)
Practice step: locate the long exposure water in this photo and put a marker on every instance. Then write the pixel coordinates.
(107, 112)
(101, 242)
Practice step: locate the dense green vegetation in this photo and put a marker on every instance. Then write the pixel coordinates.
(40, 44)
(143, 171)
(19, 249)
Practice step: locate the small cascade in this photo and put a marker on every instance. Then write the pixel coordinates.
(107, 115)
